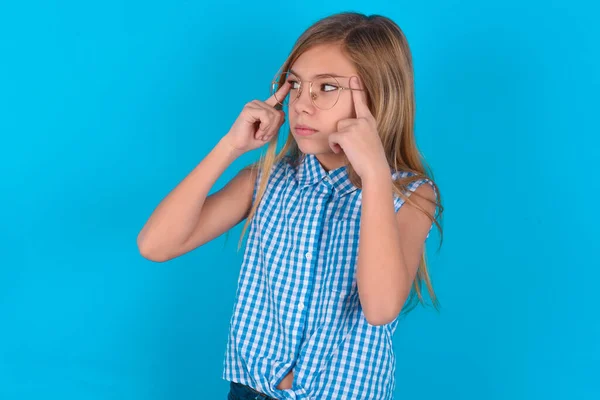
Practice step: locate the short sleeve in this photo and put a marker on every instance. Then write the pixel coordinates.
(399, 201)
(277, 169)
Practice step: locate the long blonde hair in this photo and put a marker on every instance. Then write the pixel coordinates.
(380, 53)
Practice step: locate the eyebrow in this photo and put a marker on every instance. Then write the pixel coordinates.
(319, 75)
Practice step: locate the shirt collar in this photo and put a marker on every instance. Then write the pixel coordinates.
(310, 171)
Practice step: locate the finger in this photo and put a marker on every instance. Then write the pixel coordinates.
(269, 119)
(274, 127)
(259, 116)
(278, 114)
(281, 93)
(276, 120)
(360, 99)
(270, 109)
(335, 142)
(255, 113)
(345, 123)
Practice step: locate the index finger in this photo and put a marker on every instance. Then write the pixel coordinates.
(281, 93)
(359, 96)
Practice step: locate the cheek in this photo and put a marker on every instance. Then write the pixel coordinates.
(291, 116)
(343, 110)
(324, 120)
(346, 110)
(339, 117)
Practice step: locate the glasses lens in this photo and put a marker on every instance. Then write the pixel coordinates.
(325, 92)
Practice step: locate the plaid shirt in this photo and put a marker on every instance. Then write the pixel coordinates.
(297, 304)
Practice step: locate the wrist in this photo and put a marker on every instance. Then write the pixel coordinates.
(231, 151)
(377, 177)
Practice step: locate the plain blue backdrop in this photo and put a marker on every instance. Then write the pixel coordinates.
(106, 106)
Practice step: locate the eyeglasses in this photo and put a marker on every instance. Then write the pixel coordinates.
(324, 90)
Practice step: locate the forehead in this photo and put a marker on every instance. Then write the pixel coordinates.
(323, 59)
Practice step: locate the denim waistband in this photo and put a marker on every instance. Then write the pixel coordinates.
(245, 392)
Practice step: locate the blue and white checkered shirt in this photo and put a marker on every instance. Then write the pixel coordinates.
(297, 304)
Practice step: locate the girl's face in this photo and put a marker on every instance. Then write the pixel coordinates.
(322, 59)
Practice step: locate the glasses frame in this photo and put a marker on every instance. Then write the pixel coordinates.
(310, 91)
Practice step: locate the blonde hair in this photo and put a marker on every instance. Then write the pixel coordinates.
(380, 53)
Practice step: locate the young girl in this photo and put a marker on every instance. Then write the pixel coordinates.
(335, 243)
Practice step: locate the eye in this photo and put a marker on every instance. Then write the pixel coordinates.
(294, 84)
(327, 87)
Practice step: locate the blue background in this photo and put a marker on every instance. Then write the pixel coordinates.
(106, 106)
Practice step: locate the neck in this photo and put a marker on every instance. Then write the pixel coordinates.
(331, 161)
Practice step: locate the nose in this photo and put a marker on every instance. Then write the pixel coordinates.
(303, 103)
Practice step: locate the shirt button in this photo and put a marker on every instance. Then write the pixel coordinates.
(308, 256)
(301, 307)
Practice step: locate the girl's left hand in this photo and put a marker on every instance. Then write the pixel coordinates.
(358, 138)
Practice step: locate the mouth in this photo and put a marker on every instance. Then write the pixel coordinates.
(304, 130)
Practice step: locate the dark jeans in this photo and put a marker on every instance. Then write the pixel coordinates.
(237, 391)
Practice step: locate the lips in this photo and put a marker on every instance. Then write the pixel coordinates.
(304, 130)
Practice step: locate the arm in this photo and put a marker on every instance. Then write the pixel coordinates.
(186, 218)
(390, 248)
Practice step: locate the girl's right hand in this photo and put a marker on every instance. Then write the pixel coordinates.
(257, 123)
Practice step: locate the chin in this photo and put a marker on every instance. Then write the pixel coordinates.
(313, 147)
